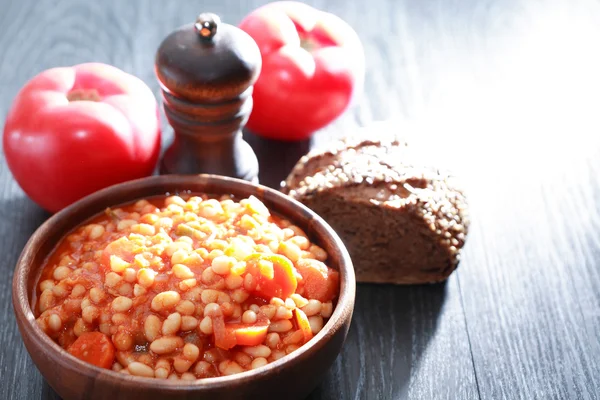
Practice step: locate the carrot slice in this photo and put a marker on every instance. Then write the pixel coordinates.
(281, 284)
(252, 335)
(94, 348)
(228, 335)
(320, 282)
(303, 324)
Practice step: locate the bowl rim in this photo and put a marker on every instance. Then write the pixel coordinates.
(23, 312)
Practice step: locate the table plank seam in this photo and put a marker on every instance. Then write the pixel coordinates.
(462, 306)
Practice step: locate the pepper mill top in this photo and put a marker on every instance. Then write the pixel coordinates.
(207, 61)
(206, 71)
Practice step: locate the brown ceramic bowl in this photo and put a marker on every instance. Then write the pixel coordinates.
(291, 377)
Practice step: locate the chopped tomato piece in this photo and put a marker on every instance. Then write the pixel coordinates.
(303, 324)
(224, 338)
(281, 284)
(94, 348)
(320, 282)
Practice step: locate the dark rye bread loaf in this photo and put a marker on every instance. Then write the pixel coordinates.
(402, 223)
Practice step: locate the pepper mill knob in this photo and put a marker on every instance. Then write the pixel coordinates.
(206, 71)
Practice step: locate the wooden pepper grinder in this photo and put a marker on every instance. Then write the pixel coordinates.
(206, 71)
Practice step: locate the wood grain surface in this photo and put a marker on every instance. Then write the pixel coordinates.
(504, 92)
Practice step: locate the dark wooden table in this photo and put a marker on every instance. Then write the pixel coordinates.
(504, 92)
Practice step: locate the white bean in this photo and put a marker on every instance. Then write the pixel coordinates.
(166, 344)
(122, 304)
(257, 351)
(172, 324)
(152, 327)
(139, 369)
(165, 300)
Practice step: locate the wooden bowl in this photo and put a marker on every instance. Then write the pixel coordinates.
(291, 377)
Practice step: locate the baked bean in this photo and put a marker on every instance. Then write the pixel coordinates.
(276, 355)
(230, 367)
(185, 307)
(258, 351)
(188, 323)
(162, 368)
(283, 313)
(249, 317)
(187, 284)
(125, 289)
(258, 362)
(187, 376)
(123, 340)
(48, 284)
(242, 359)
(54, 322)
(301, 241)
(326, 309)
(291, 347)
(80, 327)
(233, 281)
(182, 272)
(269, 310)
(72, 306)
(139, 369)
(146, 277)
(166, 344)
(61, 290)
(89, 314)
(179, 256)
(46, 300)
(290, 304)
(276, 301)
(203, 369)
(139, 290)
(118, 318)
(191, 352)
(239, 295)
(318, 252)
(283, 325)
(96, 231)
(312, 308)
(117, 264)
(206, 326)
(181, 364)
(152, 327)
(172, 324)
(130, 275)
(209, 296)
(222, 264)
(165, 300)
(122, 304)
(97, 295)
(61, 273)
(85, 302)
(316, 323)
(112, 279)
(78, 291)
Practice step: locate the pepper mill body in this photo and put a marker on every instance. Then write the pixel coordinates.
(206, 71)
